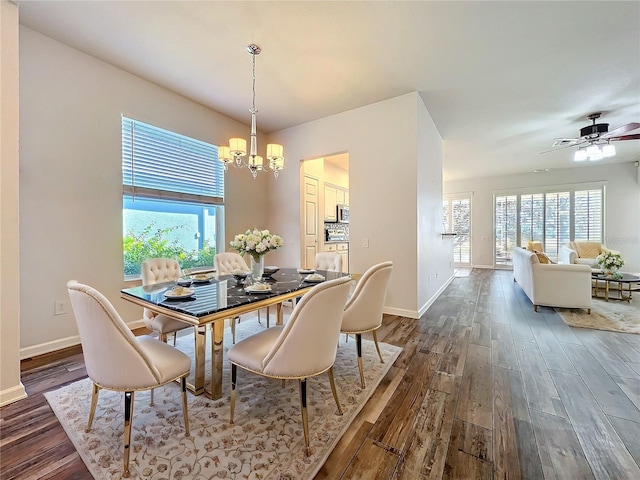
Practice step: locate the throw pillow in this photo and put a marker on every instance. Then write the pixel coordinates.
(542, 258)
(534, 246)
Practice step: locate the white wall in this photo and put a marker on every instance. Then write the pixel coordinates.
(71, 178)
(11, 389)
(622, 208)
(383, 189)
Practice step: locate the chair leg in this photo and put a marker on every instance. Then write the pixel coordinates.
(128, 417)
(375, 340)
(232, 403)
(359, 350)
(283, 383)
(94, 402)
(268, 317)
(175, 337)
(305, 419)
(333, 390)
(185, 412)
(151, 403)
(233, 329)
(259, 321)
(162, 337)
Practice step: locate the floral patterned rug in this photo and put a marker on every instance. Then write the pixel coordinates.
(266, 440)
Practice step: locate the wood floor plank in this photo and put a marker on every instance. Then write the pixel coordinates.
(343, 454)
(550, 348)
(503, 352)
(481, 329)
(604, 450)
(455, 352)
(426, 454)
(561, 454)
(541, 392)
(474, 401)
(469, 453)
(631, 388)
(560, 330)
(607, 357)
(628, 433)
(608, 394)
(372, 461)
(618, 342)
(396, 421)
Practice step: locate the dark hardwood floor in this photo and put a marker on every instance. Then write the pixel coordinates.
(485, 388)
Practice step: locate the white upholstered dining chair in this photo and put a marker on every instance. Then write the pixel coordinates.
(330, 261)
(115, 359)
(225, 264)
(363, 312)
(305, 347)
(158, 270)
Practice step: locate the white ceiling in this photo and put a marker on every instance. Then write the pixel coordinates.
(500, 79)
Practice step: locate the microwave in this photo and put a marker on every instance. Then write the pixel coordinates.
(342, 213)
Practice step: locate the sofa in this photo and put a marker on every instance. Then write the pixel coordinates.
(583, 253)
(550, 284)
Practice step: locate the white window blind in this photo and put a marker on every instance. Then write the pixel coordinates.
(157, 163)
(588, 215)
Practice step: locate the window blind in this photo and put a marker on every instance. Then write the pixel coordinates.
(157, 163)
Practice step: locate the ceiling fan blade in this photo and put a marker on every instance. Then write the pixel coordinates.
(563, 146)
(620, 130)
(633, 136)
(561, 142)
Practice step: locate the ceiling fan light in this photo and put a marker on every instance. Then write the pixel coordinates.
(580, 155)
(608, 150)
(594, 157)
(593, 150)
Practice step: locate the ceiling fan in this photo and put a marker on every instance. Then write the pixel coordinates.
(596, 139)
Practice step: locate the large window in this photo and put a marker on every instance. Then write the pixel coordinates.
(553, 218)
(173, 197)
(456, 217)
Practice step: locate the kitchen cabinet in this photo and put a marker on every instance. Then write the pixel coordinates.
(334, 196)
(343, 249)
(330, 202)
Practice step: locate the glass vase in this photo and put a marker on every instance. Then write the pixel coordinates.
(257, 268)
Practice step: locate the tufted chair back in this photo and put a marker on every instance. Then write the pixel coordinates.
(158, 270)
(112, 355)
(329, 261)
(227, 262)
(308, 343)
(364, 309)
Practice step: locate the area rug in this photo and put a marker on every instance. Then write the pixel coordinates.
(266, 440)
(614, 315)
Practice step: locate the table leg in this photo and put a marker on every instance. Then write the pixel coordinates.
(217, 350)
(279, 315)
(200, 334)
(606, 291)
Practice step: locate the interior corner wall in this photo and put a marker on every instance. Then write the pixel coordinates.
(71, 178)
(622, 206)
(435, 253)
(11, 389)
(382, 142)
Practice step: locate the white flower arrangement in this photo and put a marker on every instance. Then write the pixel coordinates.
(609, 260)
(256, 243)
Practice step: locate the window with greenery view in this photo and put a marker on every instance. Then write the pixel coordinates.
(553, 218)
(456, 217)
(173, 197)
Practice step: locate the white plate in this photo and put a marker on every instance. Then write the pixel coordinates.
(309, 279)
(201, 278)
(251, 290)
(305, 270)
(171, 294)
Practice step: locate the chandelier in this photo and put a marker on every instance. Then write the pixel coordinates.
(595, 151)
(235, 152)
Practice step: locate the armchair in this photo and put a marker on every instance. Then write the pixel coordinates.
(582, 253)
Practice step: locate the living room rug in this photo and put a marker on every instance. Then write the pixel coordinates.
(614, 315)
(266, 440)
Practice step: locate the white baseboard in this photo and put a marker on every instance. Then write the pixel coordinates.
(12, 394)
(435, 296)
(59, 344)
(400, 312)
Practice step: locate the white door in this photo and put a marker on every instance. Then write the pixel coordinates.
(311, 221)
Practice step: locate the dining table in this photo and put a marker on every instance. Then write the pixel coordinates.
(216, 299)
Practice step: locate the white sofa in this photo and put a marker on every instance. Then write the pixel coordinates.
(552, 285)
